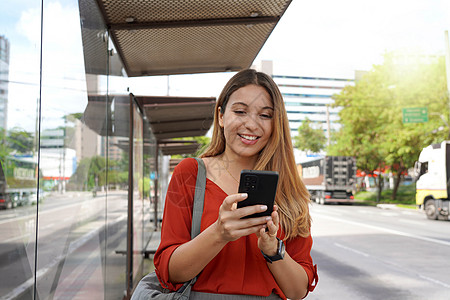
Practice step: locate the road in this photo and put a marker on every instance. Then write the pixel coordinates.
(371, 253)
(362, 252)
(71, 226)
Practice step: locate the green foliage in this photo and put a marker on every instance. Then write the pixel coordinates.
(371, 115)
(92, 172)
(15, 141)
(202, 140)
(73, 116)
(144, 187)
(20, 141)
(309, 138)
(4, 149)
(406, 195)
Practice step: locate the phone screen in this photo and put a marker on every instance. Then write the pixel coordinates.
(261, 187)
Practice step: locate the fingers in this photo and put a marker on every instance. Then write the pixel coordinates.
(230, 204)
(267, 238)
(230, 222)
(233, 229)
(275, 216)
(232, 199)
(238, 233)
(272, 225)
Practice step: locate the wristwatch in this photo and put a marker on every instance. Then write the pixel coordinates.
(279, 255)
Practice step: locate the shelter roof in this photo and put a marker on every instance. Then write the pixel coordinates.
(160, 37)
(168, 118)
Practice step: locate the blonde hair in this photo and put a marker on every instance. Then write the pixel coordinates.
(292, 196)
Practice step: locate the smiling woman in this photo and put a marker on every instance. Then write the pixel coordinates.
(233, 255)
(247, 125)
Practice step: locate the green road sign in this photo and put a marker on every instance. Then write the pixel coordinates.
(415, 115)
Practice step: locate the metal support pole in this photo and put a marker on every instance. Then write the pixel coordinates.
(129, 269)
(155, 212)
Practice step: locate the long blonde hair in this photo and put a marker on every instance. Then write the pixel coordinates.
(292, 196)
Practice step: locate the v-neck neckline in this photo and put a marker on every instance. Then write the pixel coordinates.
(217, 186)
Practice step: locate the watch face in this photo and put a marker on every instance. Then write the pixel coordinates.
(282, 249)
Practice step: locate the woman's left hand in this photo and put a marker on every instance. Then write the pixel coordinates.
(267, 240)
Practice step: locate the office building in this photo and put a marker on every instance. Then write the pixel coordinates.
(311, 97)
(4, 74)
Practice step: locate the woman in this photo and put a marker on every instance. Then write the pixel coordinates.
(233, 255)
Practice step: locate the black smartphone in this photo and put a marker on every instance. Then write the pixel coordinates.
(261, 187)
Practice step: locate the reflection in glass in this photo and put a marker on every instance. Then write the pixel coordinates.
(64, 173)
(19, 96)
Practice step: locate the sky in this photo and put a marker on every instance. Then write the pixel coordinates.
(335, 38)
(325, 38)
(346, 35)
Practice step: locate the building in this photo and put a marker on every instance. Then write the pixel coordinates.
(4, 74)
(311, 97)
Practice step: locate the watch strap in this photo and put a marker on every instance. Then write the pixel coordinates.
(278, 256)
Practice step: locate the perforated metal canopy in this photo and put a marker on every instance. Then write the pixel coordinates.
(168, 117)
(160, 37)
(175, 117)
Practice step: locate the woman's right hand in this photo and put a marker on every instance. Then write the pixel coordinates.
(229, 224)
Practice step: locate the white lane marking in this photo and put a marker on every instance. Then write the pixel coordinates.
(11, 215)
(328, 210)
(391, 231)
(389, 214)
(398, 267)
(412, 212)
(411, 222)
(434, 281)
(16, 238)
(47, 226)
(86, 202)
(352, 250)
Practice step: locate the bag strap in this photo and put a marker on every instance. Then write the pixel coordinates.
(197, 212)
(199, 198)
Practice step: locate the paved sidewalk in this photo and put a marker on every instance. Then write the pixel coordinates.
(153, 244)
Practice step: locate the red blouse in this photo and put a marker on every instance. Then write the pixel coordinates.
(239, 268)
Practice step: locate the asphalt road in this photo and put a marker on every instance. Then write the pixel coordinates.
(71, 236)
(361, 252)
(371, 253)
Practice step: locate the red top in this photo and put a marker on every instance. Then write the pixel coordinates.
(239, 268)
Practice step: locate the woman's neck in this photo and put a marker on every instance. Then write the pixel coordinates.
(237, 162)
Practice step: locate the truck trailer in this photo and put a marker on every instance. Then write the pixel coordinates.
(330, 179)
(432, 175)
(18, 181)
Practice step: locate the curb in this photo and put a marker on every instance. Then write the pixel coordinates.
(395, 207)
(387, 206)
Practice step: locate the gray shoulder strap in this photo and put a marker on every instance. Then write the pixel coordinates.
(199, 198)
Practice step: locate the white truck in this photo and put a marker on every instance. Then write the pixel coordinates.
(432, 175)
(329, 179)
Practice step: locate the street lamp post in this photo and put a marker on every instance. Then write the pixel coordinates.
(447, 69)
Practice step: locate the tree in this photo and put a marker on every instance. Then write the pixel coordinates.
(414, 85)
(203, 141)
(79, 180)
(4, 149)
(20, 140)
(371, 115)
(309, 138)
(90, 173)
